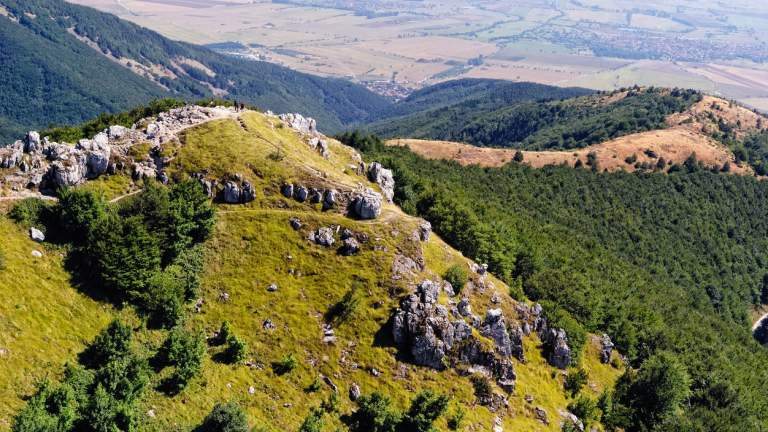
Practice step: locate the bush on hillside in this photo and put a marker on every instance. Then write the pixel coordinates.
(227, 417)
(426, 408)
(111, 343)
(374, 414)
(457, 277)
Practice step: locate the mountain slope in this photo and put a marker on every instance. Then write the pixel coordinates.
(669, 265)
(80, 82)
(255, 244)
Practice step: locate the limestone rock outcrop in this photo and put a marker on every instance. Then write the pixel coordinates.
(557, 345)
(368, 204)
(606, 349)
(383, 178)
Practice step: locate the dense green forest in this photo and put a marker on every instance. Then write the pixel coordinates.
(667, 264)
(48, 76)
(529, 117)
(484, 94)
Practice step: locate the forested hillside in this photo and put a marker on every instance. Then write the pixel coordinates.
(49, 76)
(668, 265)
(531, 117)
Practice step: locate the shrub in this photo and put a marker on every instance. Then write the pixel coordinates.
(78, 210)
(287, 364)
(313, 422)
(518, 156)
(374, 414)
(456, 419)
(315, 386)
(237, 349)
(185, 351)
(576, 381)
(457, 277)
(349, 305)
(223, 336)
(125, 378)
(631, 159)
(578, 163)
(662, 163)
(425, 409)
(481, 385)
(112, 343)
(585, 408)
(227, 417)
(331, 405)
(657, 391)
(2, 260)
(30, 212)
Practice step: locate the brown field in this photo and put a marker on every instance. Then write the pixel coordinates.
(721, 74)
(433, 47)
(594, 16)
(512, 73)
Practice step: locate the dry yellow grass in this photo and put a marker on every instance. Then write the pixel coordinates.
(674, 144)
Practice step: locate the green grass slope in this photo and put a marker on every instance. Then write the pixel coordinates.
(254, 246)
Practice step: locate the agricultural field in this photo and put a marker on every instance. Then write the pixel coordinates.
(600, 44)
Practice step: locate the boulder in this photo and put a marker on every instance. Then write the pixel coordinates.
(516, 339)
(448, 288)
(430, 291)
(368, 204)
(399, 331)
(331, 196)
(541, 415)
(231, 193)
(301, 194)
(354, 392)
(324, 150)
(383, 178)
(324, 237)
(347, 233)
(37, 254)
(606, 349)
(32, 142)
(461, 330)
(559, 352)
(295, 223)
(427, 350)
(425, 231)
(248, 193)
(482, 269)
(572, 419)
(267, 325)
(117, 132)
(526, 329)
(66, 174)
(495, 328)
(272, 288)
(287, 190)
(464, 308)
(36, 235)
(351, 246)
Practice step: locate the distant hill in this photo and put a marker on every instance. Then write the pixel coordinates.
(50, 74)
(537, 117)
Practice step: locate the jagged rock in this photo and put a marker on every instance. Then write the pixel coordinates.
(427, 350)
(267, 325)
(475, 321)
(495, 328)
(541, 415)
(11, 160)
(307, 125)
(464, 308)
(324, 150)
(331, 196)
(559, 352)
(207, 188)
(383, 178)
(425, 231)
(606, 349)
(399, 331)
(461, 330)
(36, 235)
(287, 190)
(368, 204)
(316, 197)
(295, 223)
(154, 129)
(249, 193)
(482, 269)
(328, 381)
(311, 236)
(448, 288)
(117, 132)
(32, 142)
(526, 329)
(354, 392)
(516, 339)
(324, 237)
(347, 233)
(272, 288)
(231, 193)
(571, 418)
(301, 194)
(66, 174)
(351, 246)
(163, 178)
(37, 254)
(430, 291)
(313, 142)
